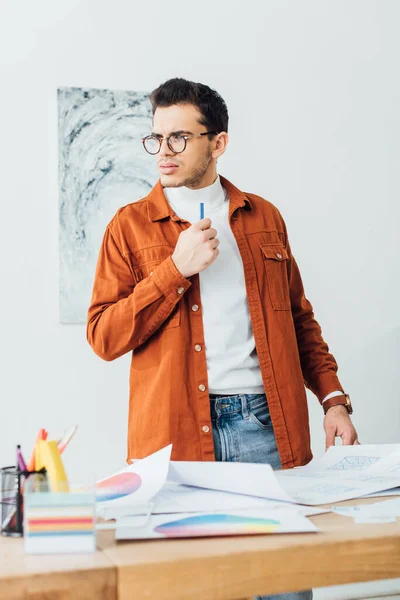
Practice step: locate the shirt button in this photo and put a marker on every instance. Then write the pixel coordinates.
(180, 290)
(206, 428)
(202, 387)
(195, 308)
(197, 348)
(279, 255)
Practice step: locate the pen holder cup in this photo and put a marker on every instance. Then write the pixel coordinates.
(59, 522)
(12, 483)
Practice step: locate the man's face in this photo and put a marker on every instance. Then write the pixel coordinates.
(188, 167)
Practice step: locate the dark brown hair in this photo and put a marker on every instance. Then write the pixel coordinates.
(214, 112)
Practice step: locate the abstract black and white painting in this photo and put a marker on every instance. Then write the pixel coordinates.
(102, 166)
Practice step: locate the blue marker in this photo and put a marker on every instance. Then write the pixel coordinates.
(201, 210)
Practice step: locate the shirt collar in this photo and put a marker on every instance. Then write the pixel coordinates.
(159, 208)
(183, 197)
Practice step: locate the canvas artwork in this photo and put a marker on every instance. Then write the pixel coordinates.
(102, 166)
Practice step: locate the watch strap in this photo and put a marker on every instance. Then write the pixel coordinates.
(343, 400)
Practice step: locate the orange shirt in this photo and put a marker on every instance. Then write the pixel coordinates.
(143, 305)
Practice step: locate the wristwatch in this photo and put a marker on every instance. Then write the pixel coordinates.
(336, 401)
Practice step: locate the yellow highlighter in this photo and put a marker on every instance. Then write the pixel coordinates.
(50, 458)
(38, 460)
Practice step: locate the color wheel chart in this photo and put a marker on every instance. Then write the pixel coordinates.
(217, 524)
(117, 486)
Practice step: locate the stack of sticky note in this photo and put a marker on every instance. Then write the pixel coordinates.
(58, 522)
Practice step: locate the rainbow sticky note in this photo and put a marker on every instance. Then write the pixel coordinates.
(59, 522)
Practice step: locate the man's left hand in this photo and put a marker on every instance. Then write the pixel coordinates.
(337, 423)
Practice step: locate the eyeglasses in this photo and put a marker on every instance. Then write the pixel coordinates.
(176, 143)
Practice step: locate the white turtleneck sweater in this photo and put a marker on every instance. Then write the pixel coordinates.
(232, 361)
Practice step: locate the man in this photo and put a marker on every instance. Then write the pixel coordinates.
(222, 337)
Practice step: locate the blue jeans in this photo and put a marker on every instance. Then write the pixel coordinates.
(242, 432)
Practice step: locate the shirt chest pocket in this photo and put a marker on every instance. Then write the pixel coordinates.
(275, 258)
(146, 270)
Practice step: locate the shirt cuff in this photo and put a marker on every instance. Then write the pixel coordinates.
(170, 281)
(332, 395)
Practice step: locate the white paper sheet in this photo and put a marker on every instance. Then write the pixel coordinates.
(343, 473)
(393, 492)
(354, 458)
(240, 478)
(182, 498)
(379, 512)
(241, 522)
(133, 486)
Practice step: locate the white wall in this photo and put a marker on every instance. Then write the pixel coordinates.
(313, 93)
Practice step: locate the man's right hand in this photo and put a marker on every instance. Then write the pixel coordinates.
(197, 248)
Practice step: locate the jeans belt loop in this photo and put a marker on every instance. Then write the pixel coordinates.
(245, 408)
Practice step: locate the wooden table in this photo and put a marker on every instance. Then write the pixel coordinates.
(210, 568)
(56, 577)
